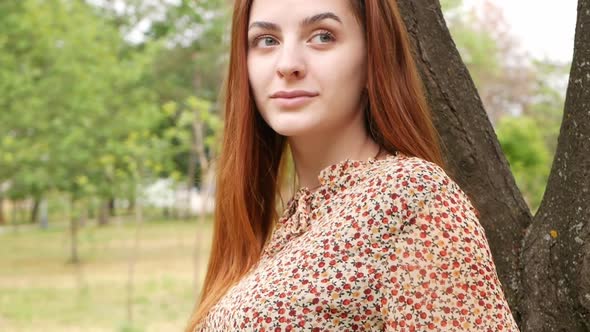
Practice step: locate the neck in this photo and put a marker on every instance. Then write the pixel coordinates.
(312, 154)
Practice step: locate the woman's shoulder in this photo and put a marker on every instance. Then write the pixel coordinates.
(409, 171)
(413, 178)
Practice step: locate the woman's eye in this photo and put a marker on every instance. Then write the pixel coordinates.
(265, 41)
(323, 37)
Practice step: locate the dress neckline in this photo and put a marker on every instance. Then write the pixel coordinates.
(297, 217)
(336, 172)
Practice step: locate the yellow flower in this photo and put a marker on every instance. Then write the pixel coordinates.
(553, 233)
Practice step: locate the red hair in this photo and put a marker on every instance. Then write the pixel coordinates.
(252, 163)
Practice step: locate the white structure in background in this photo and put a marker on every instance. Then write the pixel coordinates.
(164, 193)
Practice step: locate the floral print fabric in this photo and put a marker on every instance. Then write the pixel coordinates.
(382, 245)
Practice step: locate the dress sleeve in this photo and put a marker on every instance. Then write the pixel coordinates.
(440, 272)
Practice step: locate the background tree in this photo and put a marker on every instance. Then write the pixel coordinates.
(476, 161)
(511, 84)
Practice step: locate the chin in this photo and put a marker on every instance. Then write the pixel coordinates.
(291, 131)
(290, 124)
(292, 128)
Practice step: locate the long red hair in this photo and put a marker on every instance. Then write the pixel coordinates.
(252, 163)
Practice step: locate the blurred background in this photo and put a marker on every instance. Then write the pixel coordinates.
(109, 131)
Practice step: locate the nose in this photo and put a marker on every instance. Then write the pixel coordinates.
(291, 63)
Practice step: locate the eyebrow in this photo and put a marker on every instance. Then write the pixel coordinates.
(305, 22)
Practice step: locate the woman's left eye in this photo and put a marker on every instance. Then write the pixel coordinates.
(323, 37)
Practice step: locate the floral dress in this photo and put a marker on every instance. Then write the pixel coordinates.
(382, 245)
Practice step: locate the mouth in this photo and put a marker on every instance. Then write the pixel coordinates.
(293, 99)
(293, 94)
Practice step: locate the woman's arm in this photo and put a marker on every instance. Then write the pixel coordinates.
(441, 276)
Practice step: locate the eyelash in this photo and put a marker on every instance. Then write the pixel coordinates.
(320, 33)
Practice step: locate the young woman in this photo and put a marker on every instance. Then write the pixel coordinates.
(377, 237)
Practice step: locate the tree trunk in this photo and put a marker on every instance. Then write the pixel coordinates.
(2, 219)
(43, 217)
(74, 258)
(192, 168)
(133, 257)
(103, 213)
(199, 144)
(556, 254)
(14, 218)
(131, 206)
(207, 178)
(473, 155)
(35, 209)
(111, 206)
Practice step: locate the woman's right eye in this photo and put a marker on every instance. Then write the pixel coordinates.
(265, 41)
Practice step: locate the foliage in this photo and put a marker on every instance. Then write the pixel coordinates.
(522, 142)
(73, 118)
(83, 105)
(183, 116)
(521, 97)
(190, 62)
(547, 99)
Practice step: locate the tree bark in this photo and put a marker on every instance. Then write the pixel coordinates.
(74, 258)
(103, 212)
(205, 168)
(472, 152)
(192, 168)
(131, 206)
(112, 206)
(2, 219)
(199, 144)
(134, 253)
(556, 254)
(35, 210)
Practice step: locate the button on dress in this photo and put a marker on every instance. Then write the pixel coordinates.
(382, 245)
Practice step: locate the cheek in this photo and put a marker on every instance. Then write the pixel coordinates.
(353, 72)
(344, 75)
(257, 75)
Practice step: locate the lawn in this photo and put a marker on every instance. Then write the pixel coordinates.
(41, 291)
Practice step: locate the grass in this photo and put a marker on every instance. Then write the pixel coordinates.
(41, 291)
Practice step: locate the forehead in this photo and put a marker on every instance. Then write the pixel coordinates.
(285, 11)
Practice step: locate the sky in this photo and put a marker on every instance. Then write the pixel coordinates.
(545, 28)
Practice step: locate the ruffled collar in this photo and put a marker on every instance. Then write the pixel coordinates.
(341, 174)
(302, 208)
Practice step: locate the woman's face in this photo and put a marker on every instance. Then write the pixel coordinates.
(306, 64)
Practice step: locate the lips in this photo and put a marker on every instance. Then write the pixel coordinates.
(293, 94)
(293, 99)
